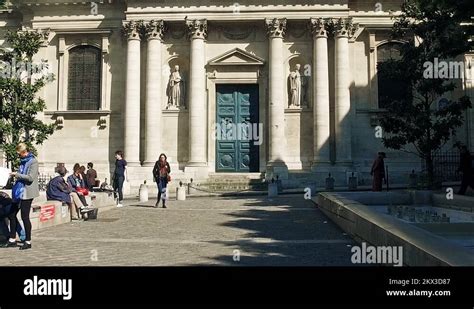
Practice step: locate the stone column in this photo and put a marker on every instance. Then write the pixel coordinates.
(342, 30)
(197, 31)
(132, 94)
(321, 113)
(277, 141)
(154, 31)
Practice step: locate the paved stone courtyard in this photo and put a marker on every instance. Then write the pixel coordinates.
(283, 231)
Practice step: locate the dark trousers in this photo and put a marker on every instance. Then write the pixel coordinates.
(5, 231)
(467, 181)
(162, 183)
(118, 185)
(24, 206)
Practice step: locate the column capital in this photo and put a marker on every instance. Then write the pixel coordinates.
(132, 29)
(154, 30)
(197, 28)
(276, 27)
(318, 27)
(343, 27)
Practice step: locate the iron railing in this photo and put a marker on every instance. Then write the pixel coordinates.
(446, 164)
(43, 180)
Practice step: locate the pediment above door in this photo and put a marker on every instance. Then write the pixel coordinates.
(237, 57)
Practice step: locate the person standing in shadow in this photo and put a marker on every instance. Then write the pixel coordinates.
(378, 172)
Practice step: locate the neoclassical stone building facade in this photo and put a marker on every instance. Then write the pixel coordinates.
(148, 77)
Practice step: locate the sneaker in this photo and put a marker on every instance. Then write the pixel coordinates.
(25, 246)
(9, 244)
(119, 205)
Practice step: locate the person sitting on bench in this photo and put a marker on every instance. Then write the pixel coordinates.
(59, 190)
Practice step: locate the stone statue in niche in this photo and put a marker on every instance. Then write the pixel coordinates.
(175, 89)
(295, 87)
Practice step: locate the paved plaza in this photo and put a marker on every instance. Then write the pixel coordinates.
(239, 231)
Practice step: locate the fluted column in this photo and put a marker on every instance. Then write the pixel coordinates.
(321, 113)
(132, 94)
(197, 31)
(342, 30)
(276, 30)
(154, 31)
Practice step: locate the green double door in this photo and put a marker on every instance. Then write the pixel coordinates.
(239, 139)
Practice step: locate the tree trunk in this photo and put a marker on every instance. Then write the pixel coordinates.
(430, 170)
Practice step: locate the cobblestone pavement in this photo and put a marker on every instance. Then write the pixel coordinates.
(250, 231)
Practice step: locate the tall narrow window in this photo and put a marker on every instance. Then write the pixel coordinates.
(389, 90)
(84, 78)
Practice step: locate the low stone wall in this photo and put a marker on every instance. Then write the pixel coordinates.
(364, 224)
(46, 213)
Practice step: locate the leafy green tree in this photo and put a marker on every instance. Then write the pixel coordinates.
(20, 81)
(413, 121)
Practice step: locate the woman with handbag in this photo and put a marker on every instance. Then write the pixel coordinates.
(24, 191)
(77, 184)
(161, 174)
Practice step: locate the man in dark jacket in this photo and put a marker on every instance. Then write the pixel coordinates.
(465, 167)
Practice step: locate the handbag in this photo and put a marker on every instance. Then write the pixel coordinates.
(84, 191)
(168, 178)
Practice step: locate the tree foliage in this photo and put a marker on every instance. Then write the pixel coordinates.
(19, 85)
(434, 29)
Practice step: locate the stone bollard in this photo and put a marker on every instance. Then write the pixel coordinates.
(352, 182)
(191, 190)
(143, 192)
(329, 183)
(279, 185)
(181, 192)
(272, 188)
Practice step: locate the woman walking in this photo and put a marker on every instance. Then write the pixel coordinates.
(24, 191)
(161, 173)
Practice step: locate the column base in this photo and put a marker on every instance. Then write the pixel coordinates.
(276, 168)
(321, 165)
(200, 170)
(348, 163)
(148, 163)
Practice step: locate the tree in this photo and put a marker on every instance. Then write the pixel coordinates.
(413, 121)
(20, 81)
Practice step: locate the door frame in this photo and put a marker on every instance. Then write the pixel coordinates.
(254, 77)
